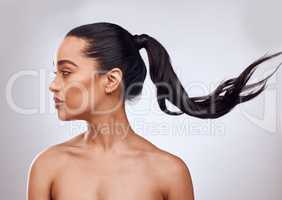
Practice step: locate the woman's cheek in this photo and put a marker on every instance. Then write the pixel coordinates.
(77, 97)
(82, 93)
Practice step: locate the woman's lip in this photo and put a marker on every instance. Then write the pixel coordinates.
(57, 100)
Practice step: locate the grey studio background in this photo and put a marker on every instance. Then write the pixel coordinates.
(237, 156)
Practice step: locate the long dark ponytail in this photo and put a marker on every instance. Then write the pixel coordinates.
(213, 105)
(113, 46)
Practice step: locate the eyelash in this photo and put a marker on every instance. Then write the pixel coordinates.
(63, 73)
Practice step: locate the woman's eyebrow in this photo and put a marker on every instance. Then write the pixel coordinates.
(63, 61)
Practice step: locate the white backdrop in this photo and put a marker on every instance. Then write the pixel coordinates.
(238, 156)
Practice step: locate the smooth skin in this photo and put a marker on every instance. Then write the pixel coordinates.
(109, 161)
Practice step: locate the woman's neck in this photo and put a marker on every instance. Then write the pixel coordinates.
(107, 132)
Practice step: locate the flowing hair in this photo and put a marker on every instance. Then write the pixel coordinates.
(113, 46)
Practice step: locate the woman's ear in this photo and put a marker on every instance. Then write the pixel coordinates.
(113, 79)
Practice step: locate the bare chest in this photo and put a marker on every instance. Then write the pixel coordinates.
(106, 181)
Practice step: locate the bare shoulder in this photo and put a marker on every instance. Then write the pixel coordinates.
(158, 157)
(42, 172)
(174, 175)
(51, 158)
(171, 164)
(47, 160)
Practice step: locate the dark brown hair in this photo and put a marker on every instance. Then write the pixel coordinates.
(113, 46)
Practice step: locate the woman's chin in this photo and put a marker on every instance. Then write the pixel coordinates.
(62, 116)
(71, 115)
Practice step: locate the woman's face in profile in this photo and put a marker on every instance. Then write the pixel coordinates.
(76, 82)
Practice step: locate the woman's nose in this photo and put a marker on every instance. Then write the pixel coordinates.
(54, 86)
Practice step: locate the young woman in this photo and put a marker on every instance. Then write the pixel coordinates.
(99, 67)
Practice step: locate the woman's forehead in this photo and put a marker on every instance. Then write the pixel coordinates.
(71, 47)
